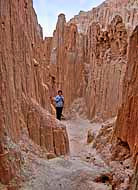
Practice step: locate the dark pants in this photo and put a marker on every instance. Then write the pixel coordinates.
(59, 112)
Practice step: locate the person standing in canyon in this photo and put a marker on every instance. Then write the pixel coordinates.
(59, 101)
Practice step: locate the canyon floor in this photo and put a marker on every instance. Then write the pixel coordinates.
(83, 169)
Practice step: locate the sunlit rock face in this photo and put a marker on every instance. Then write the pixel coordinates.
(127, 121)
(104, 13)
(24, 76)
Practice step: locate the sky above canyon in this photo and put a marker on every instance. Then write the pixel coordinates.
(48, 11)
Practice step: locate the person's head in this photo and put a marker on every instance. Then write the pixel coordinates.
(59, 92)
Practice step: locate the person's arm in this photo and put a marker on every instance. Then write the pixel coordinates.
(63, 99)
(56, 99)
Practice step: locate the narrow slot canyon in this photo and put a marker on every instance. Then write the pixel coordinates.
(93, 59)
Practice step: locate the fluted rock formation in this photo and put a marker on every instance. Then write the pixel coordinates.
(66, 62)
(24, 75)
(89, 55)
(106, 56)
(20, 62)
(104, 14)
(10, 158)
(85, 58)
(127, 122)
(93, 64)
(45, 131)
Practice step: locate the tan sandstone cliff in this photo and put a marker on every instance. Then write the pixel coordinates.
(24, 90)
(93, 63)
(105, 12)
(66, 62)
(89, 56)
(106, 55)
(86, 57)
(127, 121)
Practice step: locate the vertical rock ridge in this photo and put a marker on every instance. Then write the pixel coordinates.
(107, 57)
(66, 59)
(94, 65)
(87, 57)
(24, 75)
(93, 56)
(105, 13)
(127, 122)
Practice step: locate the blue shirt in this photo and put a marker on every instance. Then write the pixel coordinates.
(59, 101)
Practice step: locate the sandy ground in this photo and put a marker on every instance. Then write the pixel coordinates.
(73, 172)
(77, 171)
(77, 131)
